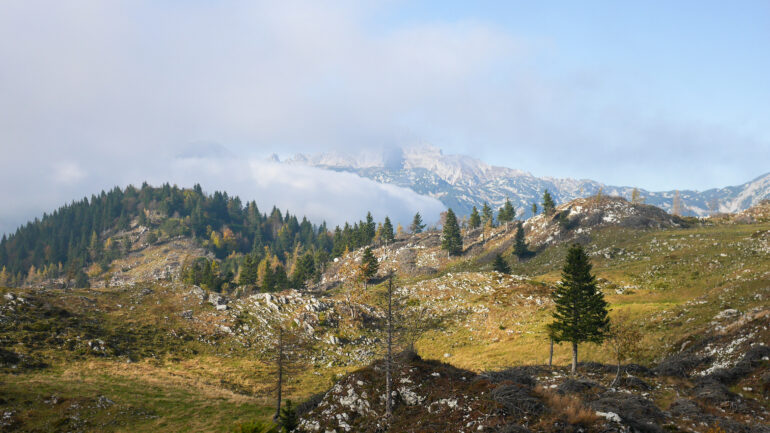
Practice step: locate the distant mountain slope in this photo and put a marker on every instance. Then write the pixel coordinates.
(461, 182)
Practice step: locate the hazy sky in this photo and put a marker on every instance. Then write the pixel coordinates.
(660, 95)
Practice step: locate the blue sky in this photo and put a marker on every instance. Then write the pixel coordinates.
(659, 95)
(695, 63)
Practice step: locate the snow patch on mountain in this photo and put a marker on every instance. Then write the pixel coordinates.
(461, 182)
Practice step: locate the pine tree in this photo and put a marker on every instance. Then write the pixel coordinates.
(368, 267)
(248, 274)
(534, 209)
(520, 245)
(81, 279)
(386, 234)
(417, 224)
(288, 418)
(369, 228)
(4, 277)
(304, 270)
(475, 220)
(548, 204)
(636, 197)
(581, 311)
(486, 216)
(507, 213)
(451, 240)
(501, 265)
(287, 354)
(143, 218)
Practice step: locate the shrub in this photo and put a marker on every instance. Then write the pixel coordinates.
(256, 427)
(568, 408)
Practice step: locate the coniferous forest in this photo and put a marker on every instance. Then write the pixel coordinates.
(257, 247)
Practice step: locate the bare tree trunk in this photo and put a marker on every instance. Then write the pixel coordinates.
(550, 356)
(388, 359)
(574, 357)
(280, 372)
(617, 375)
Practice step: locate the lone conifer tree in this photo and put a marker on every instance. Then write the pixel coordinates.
(507, 213)
(451, 241)
(417, 224)
(368, 267)
(288, 418)
(369, 228)
(520, 245)
(501, 265)
(387, 231)
(487, 216)
(581, 311)
(548, 204)
(534, 209)
(475, 220)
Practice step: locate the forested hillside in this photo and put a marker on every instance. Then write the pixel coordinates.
(274, 249)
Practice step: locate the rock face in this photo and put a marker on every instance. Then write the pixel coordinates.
(427, 396)
(432, 396)
(461, 182)
(580, 217)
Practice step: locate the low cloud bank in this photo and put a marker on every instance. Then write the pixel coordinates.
(321, 195)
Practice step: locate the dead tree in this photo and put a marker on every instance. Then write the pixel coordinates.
(550, 355)
(624, 340)
(406, 320)
(389, 357)
(286, 353)
(279, 366)
(676, 206)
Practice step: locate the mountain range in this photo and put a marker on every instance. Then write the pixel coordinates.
(462, 182)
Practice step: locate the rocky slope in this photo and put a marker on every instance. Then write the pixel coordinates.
(142, 350)
(579, 217)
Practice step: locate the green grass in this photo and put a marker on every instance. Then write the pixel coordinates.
(677, 280)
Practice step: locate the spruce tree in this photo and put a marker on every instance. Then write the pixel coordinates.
(534, 209)
(417, 224)
(506, 213)
(369, 229)
(248, 274)
(520, 245)
(368, 267)
(475, 220)
(451, 240)
(288, 418)
(581, 311)
(501, 265)
(387, 231)
(486, 215)
(548, 204)
(304, 270)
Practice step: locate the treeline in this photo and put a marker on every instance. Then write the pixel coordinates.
(274, 249)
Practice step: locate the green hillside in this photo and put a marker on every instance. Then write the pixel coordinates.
(143, 349)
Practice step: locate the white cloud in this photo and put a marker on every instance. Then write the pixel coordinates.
(68, 172)
(97, 94)
(322, 195)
